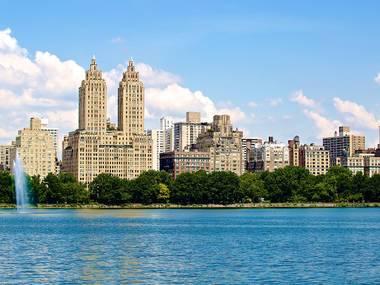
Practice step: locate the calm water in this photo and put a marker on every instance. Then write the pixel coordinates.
(190, 246)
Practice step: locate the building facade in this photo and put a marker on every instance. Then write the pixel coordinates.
(314, 158)
(268, 156)
(223, 144)
(343, 145)
(294, 151)
(186, 133)
(97, 146)
(4, 157)
(36, 148)
(162, 140)
(178, 162)
(247, 145)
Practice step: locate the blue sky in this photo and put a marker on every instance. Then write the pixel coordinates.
(281, 68)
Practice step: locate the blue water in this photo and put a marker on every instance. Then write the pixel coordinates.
(340, 246)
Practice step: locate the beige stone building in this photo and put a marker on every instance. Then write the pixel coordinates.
(343, 145)
(268, 156)
(371, 165)
(366, 163)
(36, 149)
(4, 157)
(223, 145)
(314, 158)
(97, 146)
(186, 133)
(354, 163)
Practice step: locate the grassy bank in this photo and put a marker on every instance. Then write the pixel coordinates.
(202, 206)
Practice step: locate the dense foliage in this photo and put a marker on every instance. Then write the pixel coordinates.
(289, 184)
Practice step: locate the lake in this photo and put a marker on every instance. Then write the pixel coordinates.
(239, 246)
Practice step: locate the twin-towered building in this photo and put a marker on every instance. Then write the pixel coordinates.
(126, 150)
(100, 147)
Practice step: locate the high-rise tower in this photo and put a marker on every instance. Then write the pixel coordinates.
(97, 147)
(131, 102)
(93, 101)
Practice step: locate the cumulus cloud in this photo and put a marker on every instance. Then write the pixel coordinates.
(377, 78)
(252, 104)
(326, 127)
(41, 84)
(302, 99)
(46, 86)
(356, 114)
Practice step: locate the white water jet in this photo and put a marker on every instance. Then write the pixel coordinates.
(22, 197)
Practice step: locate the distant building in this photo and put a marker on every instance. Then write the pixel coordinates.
(371, 165)
(223, 145)
(4, 157)
(354, 163)
(268, 156)
(186, 133)
(314, 158)
(53, 131)
(36, 148)
(247, 144)
(163, 140)
(177, 162)
(343, 145)
(294, 151)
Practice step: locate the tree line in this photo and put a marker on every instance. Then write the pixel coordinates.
(289, 184)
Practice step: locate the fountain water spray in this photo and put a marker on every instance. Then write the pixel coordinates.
(22, 197)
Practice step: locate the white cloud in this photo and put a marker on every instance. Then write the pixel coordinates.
(175, 100)
(377, 78)
(326, 127)
(117, 40)
(44, 85)
(35, 85)
(252, 104)
(302, 99)
(275, 102)
(356, 114)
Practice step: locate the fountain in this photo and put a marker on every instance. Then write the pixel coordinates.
(22, 198)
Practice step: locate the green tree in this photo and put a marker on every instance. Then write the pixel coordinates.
(224, 188)
(339, 180)
(252, 187)
(6, 187)
(164, 193)
(107, 189)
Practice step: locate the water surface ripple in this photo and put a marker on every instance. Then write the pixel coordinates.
(294, 246)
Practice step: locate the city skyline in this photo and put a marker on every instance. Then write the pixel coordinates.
(325, 85)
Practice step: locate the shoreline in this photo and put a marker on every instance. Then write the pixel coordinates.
(203, 206)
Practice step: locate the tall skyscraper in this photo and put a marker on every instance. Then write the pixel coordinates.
(131, 103)
(97, 146)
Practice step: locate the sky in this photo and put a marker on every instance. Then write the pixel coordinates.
(279, 68)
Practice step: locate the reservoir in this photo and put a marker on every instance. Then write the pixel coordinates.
(177, 246)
